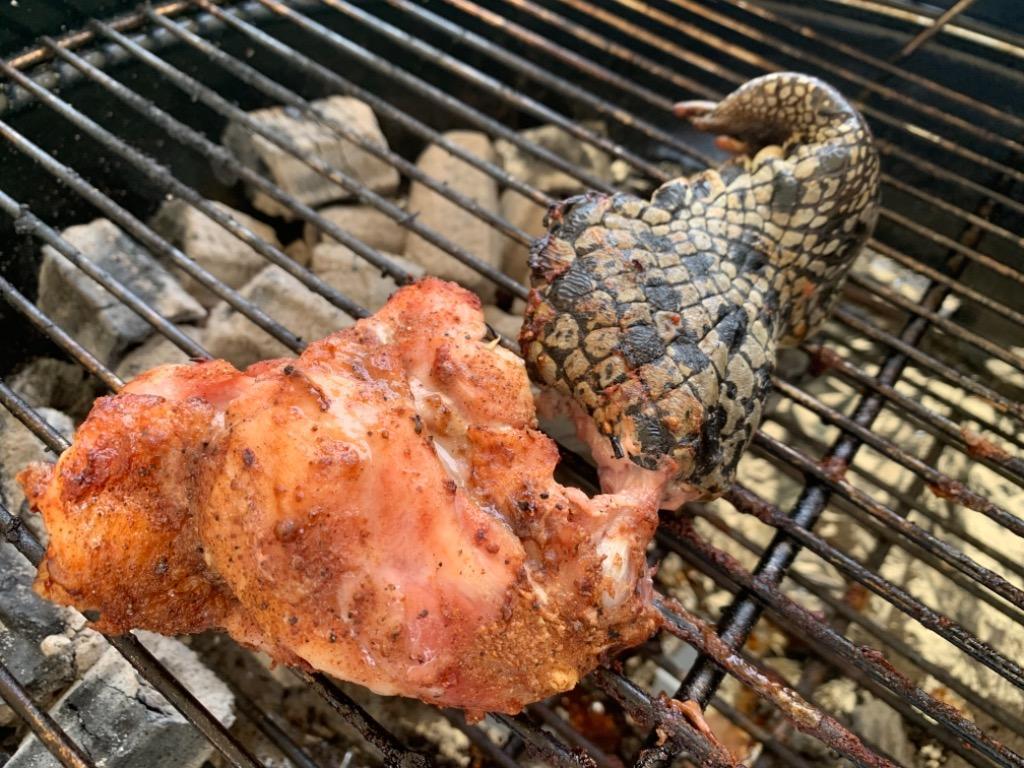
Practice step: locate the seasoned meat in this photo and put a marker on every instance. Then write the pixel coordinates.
(657, 321)
(381, 508)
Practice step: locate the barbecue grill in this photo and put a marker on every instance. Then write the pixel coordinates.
(114, 116)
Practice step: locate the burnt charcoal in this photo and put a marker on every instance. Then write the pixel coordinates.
(111, 712)
(354, 276)
(154, 351)
(458, 225)
(98, 320)
(45, 646)
(232, 336)
(211, 246)
(543, 176)
(363, 222)
(18, 448)
(292, 174)
(46, 382)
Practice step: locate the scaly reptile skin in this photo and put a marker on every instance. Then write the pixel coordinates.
(660, 319)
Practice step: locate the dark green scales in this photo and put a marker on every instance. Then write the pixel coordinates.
(660, 319)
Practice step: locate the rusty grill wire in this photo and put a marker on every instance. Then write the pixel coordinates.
(610, 39)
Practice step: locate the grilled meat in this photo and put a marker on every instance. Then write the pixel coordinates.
(657, 321)
(381, 508)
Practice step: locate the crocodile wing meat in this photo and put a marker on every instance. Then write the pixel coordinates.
(656, 321)
(380, 508)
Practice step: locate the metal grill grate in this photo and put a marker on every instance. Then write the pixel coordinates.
(952, 162)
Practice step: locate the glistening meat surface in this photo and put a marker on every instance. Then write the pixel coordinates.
(381, 508)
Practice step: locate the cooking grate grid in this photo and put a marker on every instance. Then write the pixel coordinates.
(964, 162)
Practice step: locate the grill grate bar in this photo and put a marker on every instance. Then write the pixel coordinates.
(29, 223)
(656, 713)
(765, 64)
(934, 237)
(976, 446)
(280, 94)
(493, 86)
(330, 172)
(855, 53)
(950, 527)
(436, 95)
(480, 740)
(567, 56)
(967, 217)
(543, 713)
(723, 578)
(373, 732)
(665, 105)
(640, 61)
(52, 736)
(560, 85)
(863, 658)
(54, 441)
(542, 745)
(909, 499)
(58, 335)
(865, 327)
(890, 526)
(846, 612)
(865, 683)
(934, 28)
(772, 744)
(932, 476)
(959, 407)
(273, 732)
(733, 78)
(748, 502)
(957, 287)
(871, 513)
(15, 532)
(678, 725)
(606, 45)
(948, 326)
(833, 68)
(802, 714)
